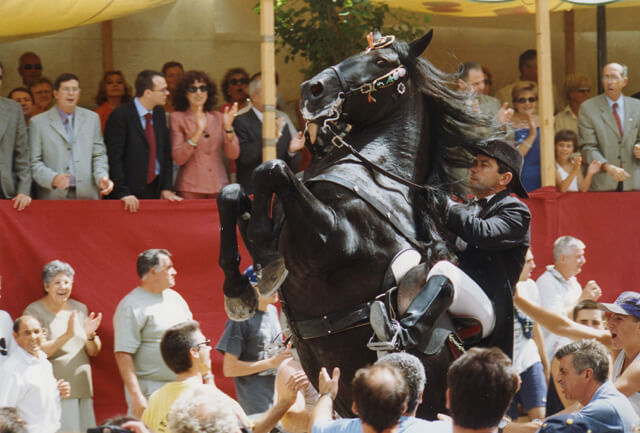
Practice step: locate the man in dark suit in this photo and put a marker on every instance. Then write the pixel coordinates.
(138, 145)
(248, 128)
(492, 241)
(15, 168)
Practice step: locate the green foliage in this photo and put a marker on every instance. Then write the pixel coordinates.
(324, 32)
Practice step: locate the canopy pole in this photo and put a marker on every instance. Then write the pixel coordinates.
(545, 93)
(569, 43)
(268, 88)
(602, 43)
(107, 45)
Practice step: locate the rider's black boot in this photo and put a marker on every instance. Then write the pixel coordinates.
(434, 299)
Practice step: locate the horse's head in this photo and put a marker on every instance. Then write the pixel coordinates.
(364, 88)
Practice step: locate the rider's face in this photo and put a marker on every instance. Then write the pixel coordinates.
(484, 178)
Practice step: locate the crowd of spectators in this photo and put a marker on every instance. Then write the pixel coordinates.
(605, 145)
(192, 150)
(165, 138)
(128, 149)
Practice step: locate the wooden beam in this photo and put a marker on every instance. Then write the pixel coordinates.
(107, 45)
(545, 93)
(268, 88)
(569, 43)
(602, 42)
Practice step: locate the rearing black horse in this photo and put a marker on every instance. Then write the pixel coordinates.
(337, 230)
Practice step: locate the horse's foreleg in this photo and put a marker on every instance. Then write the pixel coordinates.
(302, 210)
(234, 207)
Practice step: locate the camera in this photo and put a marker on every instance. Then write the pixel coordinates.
(108, 429)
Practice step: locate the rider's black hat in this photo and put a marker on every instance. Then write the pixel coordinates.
(510, 156)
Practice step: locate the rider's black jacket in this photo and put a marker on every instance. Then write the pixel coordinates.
(497, 240)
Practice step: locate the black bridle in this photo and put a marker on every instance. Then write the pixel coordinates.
(397, 75)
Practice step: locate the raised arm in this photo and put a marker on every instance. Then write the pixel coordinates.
(559, 324)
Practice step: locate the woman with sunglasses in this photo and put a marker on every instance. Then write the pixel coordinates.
(113, 90)
(527, 132)
(235, 89)
(199, 136)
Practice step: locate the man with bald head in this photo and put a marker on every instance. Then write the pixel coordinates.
(27, 380)
(609, 128)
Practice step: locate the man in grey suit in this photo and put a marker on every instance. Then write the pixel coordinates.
(609, 128)
(68, 156)
(15, 171)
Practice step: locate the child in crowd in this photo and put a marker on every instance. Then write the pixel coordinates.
(569, 175)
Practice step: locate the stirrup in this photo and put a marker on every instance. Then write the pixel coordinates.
(385, 346)
(386, 331)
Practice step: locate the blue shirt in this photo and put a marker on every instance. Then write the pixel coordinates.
(609, 411)
(530, 175)
(408, 424)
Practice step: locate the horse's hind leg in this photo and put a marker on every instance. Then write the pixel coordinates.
(240, 298)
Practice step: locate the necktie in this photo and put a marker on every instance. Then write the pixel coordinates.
(615, 116)
(151, 139)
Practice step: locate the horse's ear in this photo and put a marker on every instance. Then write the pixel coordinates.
(418, 46)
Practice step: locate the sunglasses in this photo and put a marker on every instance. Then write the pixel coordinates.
(236, 81)
(206, 342)
(530, 100)
(194, 89)
(29, 67)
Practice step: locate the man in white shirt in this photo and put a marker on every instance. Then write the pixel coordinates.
(560, 291)
(27, 380)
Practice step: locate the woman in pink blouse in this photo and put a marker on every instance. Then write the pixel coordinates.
(199, 136)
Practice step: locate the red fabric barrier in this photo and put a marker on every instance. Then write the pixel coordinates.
(101, 241)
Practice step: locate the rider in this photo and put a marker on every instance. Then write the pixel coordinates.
(492, 240)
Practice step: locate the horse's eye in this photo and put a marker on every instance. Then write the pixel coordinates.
(381, 62)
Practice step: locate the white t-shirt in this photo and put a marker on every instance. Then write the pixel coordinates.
(559, 295)
(634, 398)
(525, 351)
(28, 384)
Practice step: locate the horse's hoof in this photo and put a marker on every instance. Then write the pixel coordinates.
(271, 277)
(241, 308)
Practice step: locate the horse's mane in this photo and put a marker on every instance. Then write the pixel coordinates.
(455, 127)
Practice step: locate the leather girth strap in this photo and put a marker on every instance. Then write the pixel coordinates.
(331, 323)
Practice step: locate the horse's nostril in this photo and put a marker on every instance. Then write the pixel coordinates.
(317, 89)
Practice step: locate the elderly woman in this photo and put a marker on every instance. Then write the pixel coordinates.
(199, 136)
(527, 132)
(577, 89)
(70, 340)
(113, 90)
